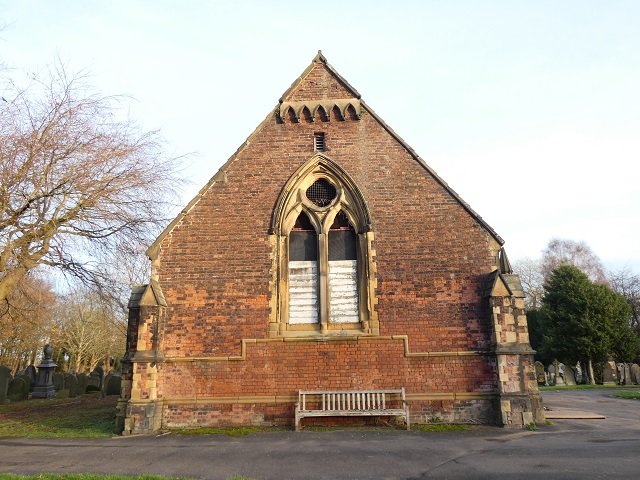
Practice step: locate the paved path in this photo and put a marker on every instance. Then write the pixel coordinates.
(569, 449)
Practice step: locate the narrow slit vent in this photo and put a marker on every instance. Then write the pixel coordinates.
(319, 144)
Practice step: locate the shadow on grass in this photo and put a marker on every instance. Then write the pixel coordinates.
(86, 416)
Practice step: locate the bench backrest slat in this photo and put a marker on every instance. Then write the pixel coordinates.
(350, 400)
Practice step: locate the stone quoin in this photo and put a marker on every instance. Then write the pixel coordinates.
(325, 254)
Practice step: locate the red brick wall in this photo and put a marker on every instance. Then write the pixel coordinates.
(283, 368)
(432, 259)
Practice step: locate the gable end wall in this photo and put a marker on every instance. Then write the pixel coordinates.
(215, 267)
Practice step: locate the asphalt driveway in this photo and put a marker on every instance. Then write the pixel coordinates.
(569, 449)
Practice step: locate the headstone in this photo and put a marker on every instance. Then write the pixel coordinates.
(18, 389)
(98, 373)
(5, 378)
(26, 378)
(569, 377)
(558, 379)
(540, 375)
(105, 381)
(609, 376)
(577, 373)
(627, 375)
(93, 384)
(94, 389)
(44, 384)
(113, 385)
(71, 384)
(82, 383)
(58, 381)
(32, 373)
(635, 373)
(620, 372)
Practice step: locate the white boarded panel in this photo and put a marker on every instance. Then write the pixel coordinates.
(343, 291)
(303, 292)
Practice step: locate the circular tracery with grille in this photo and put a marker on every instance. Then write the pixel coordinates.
(321, 193)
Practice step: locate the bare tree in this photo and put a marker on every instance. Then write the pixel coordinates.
(627, 283)
(26, 322)
(88, 331)
(77, 179)
(531, 276)
(569, 252)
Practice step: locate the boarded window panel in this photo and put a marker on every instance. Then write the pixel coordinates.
(303, 292)
(343, 272)
(343, 291)
(303, 272)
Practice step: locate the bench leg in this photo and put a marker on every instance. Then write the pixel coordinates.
(298, 418)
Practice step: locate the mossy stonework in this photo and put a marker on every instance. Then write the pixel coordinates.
(326, 255)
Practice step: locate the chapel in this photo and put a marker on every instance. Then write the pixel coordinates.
(325, 254)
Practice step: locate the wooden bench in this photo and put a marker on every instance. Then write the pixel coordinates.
(351, 403)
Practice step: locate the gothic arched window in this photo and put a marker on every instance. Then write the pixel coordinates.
(324, 261)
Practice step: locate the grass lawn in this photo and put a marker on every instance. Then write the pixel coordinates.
(633, 395)
(83, 416)
(441, 427)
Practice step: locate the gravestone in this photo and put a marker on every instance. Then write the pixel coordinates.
(71, 384)
(627, 375)
(82, 383)
(5, 378)
(569, 376)
(541, 377)
(556, 379)
(93, 384)
(609, 376)
(26, 378)
(113, 385)
(98, 373)
(18, 389)
(560, 379)
(635, 373)
(620, 372)
(105, 381)
(32, 373)
(58, 381)
(44, 384)
(577, 371)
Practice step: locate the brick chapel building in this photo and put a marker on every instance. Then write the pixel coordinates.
(326, 254)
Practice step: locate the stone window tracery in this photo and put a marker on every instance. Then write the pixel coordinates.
(324, 269)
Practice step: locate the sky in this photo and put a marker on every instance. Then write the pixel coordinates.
(529, 110)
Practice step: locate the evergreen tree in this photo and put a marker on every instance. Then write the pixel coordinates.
(584, 321)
